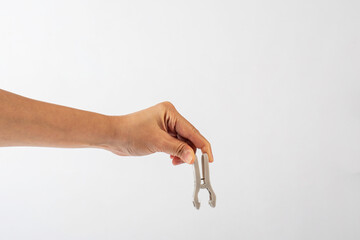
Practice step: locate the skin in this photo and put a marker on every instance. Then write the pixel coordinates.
(160, 128)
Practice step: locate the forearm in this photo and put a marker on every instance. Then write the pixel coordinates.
(27, 122)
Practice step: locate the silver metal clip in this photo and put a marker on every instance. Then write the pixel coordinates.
(203, 182)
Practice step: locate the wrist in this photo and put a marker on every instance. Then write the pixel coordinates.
(113, 132)
(103, 132)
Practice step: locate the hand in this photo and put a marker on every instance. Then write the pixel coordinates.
(157, 129)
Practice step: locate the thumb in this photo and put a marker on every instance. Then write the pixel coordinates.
(177, 148)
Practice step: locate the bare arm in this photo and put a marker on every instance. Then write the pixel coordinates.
(28, 122)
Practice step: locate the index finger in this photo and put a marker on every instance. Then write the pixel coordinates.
(184, 128)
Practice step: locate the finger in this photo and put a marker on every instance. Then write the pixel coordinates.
(177, 148)
(188, 131)
(177, 161)
(187, 141)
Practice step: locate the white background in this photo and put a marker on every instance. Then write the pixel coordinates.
(273, 85)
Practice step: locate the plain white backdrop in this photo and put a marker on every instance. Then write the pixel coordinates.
(273, 85)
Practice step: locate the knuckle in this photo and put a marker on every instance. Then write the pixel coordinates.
(194, 130)
(180, 149)
(167, 105)
(208, 145)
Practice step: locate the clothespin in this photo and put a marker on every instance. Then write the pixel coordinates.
(203, 182)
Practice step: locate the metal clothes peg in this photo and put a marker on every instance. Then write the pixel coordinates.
(203, 182)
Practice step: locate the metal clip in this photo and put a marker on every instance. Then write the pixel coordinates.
(203, 182)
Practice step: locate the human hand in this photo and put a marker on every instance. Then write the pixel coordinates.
(159, 128)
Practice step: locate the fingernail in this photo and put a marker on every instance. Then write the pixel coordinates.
(188, 156)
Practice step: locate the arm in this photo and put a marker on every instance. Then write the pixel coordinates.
(27, 122)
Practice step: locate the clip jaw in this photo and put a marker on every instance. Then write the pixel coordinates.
(203, 182)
